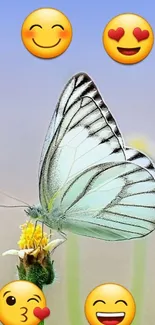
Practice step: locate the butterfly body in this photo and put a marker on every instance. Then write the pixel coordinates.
(90, 183)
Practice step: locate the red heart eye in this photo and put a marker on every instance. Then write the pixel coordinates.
(140, 35)
(116, 34)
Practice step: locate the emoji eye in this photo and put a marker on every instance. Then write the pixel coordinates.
(57, 25)
(116, 34)
(124, 302)
(32, 299)
(36, 25)
(11, 300)
(140, 35)
(95, 302)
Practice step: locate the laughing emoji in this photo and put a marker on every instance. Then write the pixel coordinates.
(128, 38)
(110, 304)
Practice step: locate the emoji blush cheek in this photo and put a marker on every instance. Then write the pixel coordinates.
(64, 34)
(29, 34)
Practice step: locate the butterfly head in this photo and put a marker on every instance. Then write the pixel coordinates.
(35, 212)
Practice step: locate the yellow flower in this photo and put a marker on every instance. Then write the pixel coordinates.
(32, 241)
(32, 237)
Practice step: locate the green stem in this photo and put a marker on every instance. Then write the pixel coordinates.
(39, 274)
(138, 282)
(73, 280)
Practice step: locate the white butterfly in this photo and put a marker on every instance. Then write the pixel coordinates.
(89, 182)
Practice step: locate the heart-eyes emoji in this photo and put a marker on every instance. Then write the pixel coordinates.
(128, 38)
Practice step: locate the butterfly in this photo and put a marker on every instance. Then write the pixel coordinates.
(90, 183)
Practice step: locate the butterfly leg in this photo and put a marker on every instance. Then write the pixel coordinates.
(35, 225)
(63, 235)
(42, 233)
(50, 234)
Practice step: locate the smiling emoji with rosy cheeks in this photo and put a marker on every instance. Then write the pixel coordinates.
(46, 33)
(110, 304)
(128, 38)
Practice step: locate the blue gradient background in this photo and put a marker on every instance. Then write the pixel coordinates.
(29, 90)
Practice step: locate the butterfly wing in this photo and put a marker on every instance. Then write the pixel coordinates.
(112, 201)
(79, 137)
(82, 135)
(131, 154)
(81, 85)
(139, 158)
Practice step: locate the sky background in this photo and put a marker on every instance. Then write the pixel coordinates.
(29, 91)
(30, 87)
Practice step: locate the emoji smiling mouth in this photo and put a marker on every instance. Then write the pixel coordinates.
(128, 51)
(46, 47)
(110, 318)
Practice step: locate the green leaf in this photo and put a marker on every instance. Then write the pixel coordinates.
(21, 271)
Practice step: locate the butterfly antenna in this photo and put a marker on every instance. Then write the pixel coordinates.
(14, 198)
(12, 206)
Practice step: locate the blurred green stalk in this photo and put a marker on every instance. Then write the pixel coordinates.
(138, 278)
(73, 281)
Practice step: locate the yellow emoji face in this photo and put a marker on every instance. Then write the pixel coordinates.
(128, 38)
(22, 302)
(110, 304)
(46, 33)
